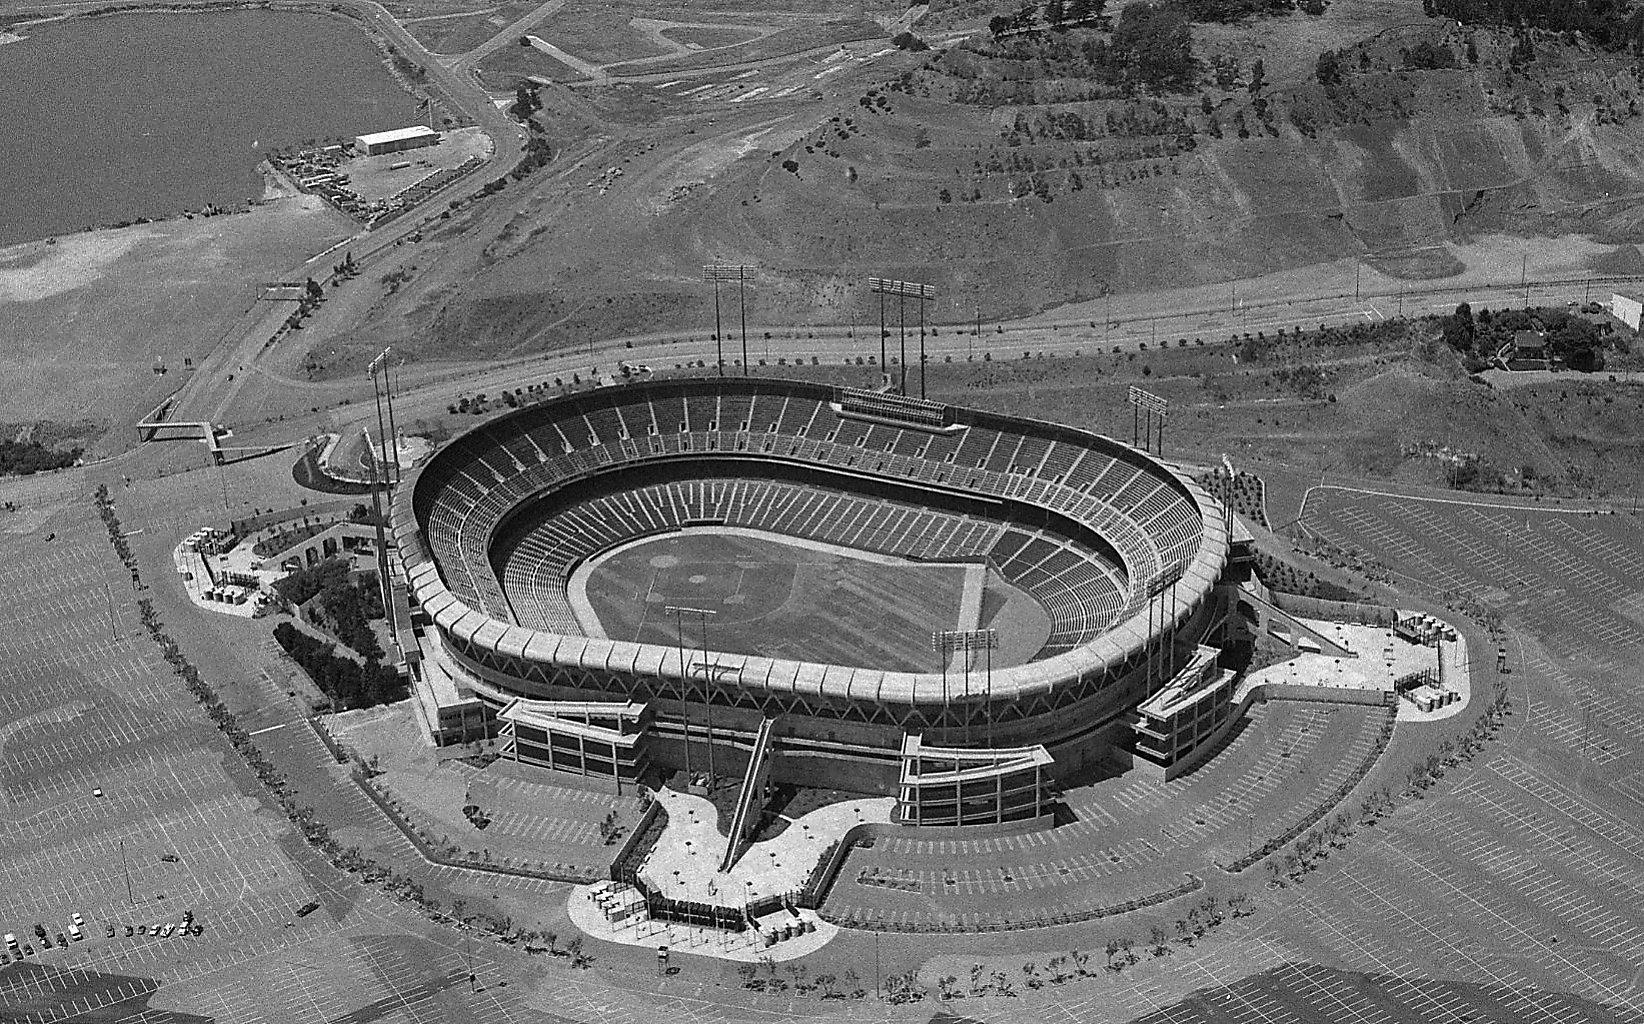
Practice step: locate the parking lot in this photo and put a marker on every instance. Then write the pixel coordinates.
(1133, 837)
(122, 804)
(1509, 893)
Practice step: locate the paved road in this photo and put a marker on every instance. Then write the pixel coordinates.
(432, 389)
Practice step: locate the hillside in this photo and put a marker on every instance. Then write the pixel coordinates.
(1026, 171)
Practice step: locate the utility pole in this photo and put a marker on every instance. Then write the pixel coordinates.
(884, 369)
(717, 273)
(902, 340)
(742, 306)
(719, 333)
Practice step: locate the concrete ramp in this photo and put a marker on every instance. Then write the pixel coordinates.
(753, 783)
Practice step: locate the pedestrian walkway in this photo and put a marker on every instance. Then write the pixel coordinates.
(683, 863)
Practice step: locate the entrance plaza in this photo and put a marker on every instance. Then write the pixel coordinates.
(683, 864)
(1383, 659)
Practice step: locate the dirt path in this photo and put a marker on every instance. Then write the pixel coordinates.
(508, 35)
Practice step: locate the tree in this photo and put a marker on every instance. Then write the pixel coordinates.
(1027, 16)
(1459, 329)
(1328, 69)
(998, 25)
(524, 103)
(1079, 11)
(1258, 76)
(1155, 41)
(1055, 13)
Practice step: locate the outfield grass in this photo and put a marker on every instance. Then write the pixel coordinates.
(778, 599)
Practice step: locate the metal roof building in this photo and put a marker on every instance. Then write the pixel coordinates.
(414, 137)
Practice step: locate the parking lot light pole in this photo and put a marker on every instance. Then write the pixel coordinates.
(708, 675)
(966, 640)
(684, 701)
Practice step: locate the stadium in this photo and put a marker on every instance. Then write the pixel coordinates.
(789, 582)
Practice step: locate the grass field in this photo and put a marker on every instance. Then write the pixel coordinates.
(777, 599)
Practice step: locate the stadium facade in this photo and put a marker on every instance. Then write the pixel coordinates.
(1132, 561)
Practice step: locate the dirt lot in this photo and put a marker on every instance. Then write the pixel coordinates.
(87, 318)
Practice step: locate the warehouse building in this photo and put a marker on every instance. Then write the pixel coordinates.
(414, 137)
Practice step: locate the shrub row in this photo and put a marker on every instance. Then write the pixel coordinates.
(1007, 924)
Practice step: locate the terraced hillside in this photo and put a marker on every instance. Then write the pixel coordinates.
(1025, 171)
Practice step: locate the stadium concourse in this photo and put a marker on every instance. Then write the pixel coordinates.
(1132, 562)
